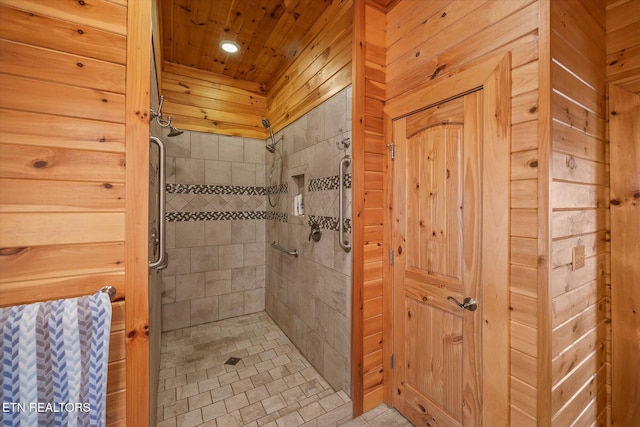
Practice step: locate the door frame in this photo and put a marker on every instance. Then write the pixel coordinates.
(493, 76)
(624, 228)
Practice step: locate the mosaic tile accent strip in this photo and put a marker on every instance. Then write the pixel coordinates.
(214, 216)
(329, 183)
(225, 216)
(215, 189)
(277, 189)
(329, 222)
(278, 216)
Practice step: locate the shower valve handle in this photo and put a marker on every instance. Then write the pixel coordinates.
(315, 233)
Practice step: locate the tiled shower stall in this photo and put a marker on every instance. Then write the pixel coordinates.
(220, 226)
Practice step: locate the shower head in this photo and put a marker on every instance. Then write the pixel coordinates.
(270, 147)
(174, 131)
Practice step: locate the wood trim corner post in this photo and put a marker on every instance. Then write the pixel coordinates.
(136, 211)
(357, 279)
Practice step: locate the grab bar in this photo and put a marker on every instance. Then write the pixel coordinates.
(346, 161)
(160, 239)
(294, 252)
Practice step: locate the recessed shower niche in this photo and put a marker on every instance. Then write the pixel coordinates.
(297, 194)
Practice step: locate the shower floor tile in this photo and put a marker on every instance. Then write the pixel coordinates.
(272, 385)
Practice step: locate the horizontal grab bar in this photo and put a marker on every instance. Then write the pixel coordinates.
(294, 252)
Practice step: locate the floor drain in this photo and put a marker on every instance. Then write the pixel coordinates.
(232, 361)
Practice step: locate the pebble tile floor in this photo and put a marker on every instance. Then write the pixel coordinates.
(272, 385)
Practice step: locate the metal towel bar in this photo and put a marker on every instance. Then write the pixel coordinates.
(294, 252)
(109, 290)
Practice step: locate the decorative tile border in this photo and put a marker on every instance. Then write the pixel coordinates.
(318, 184)
(278, 216)
(329, 183)
(329, 222)
(216, 189)
(277, 189)
(225, 216)
(214, 216)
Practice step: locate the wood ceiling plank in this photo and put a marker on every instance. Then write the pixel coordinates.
(269, 32)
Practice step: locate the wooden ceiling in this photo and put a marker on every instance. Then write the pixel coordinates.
(269, 32)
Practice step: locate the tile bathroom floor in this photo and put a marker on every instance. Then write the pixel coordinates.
(271, 384)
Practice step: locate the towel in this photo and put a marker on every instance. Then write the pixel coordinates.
(54, 358)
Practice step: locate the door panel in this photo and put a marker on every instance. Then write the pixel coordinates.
(437, 193)
(435, 196)
(439, 369)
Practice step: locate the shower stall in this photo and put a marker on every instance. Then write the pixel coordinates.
(228, 199)
(254, 226)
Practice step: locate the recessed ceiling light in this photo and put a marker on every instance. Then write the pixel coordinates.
(229, 46)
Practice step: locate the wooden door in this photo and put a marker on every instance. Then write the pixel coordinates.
(437, 187)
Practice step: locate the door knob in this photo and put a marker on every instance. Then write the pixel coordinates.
(468, 303)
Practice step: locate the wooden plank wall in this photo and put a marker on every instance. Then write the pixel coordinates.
(321, 69)
(623, 44)
(579, 201)
(62, 159)
(369, 155)
(202, 101)
(623, 76)
(440, 36)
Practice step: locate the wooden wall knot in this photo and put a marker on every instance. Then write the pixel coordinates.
(437, 71)
(40, 164)
(11, 251)
(571, 162)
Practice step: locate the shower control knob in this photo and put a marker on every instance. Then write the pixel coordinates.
(315, 234)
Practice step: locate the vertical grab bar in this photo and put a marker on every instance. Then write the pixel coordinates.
(161, 208)
(346, 161)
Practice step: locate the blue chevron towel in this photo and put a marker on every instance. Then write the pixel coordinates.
(54, 356)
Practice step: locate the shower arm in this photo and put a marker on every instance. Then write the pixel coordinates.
(158, 115)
